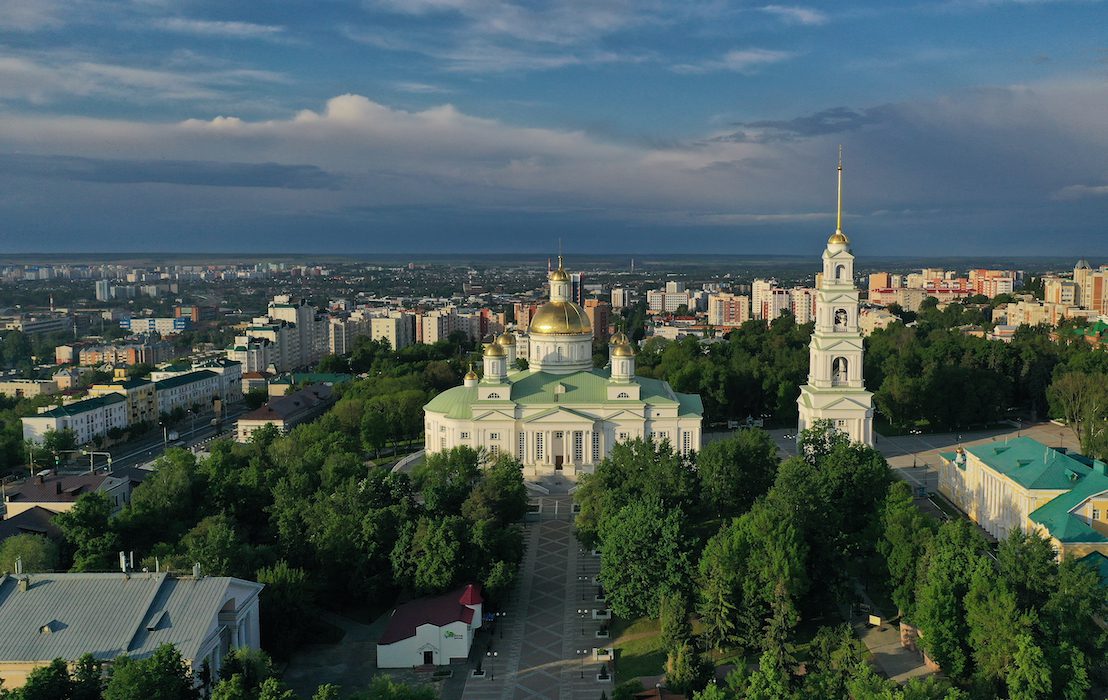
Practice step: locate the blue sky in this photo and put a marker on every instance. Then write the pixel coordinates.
(969, 126)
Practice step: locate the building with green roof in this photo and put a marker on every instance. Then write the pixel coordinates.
(561, 416)
(1022, 483)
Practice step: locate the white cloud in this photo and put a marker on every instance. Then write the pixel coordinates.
(797, 15)
(1071, 192)
(737, 61)
(30, 15)
(226, 30)
(420, 88)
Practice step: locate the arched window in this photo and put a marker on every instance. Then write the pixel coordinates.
(623, 395)
(840, 319)
(839, 370)
(494, 395)
(840, 271)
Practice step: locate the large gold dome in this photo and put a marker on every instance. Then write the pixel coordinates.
(561, 317)
(838, 237)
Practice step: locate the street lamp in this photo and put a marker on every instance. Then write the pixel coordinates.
(492, 657)
(92, 456)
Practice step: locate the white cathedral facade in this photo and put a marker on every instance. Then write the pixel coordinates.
(835, 390)
(561, 415)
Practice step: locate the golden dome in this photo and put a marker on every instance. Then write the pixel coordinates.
(494, 350)
(559, 275)
(560, 317)
(470, 375)
(506, 339)
(838, 237)
(620, 338)
(623, 350)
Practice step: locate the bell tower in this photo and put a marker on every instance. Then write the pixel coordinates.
(835, 390)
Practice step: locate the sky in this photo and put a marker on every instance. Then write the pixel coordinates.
(969, 127)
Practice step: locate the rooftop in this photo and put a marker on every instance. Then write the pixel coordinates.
(185, 378)
(56, 489)
(282, 408)
(67, 615)
(33, 521)
(79, 407)
(438, 611)
(1031, 464)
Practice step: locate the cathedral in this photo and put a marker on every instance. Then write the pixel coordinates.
(835, 390)
(560, 415)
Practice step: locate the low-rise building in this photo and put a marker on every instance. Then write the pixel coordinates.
(59, 493)
(63, 616)
(186, 390)
(1024, 484)
(870, 319)
(142, 402)
(230, 377)
(286, 412)
(27, 388)
(431, 631)
(88, 419)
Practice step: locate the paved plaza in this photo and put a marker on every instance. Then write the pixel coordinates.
(544, 645)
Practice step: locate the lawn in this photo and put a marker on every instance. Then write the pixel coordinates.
(638, 647)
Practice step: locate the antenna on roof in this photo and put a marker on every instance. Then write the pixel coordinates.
(18, 566)
(196, 570)
(123, 562)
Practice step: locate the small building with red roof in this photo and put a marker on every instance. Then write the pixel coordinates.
(431, 631)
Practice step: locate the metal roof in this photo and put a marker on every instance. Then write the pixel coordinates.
(106, 614)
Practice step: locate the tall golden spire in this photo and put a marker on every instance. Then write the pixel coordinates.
(838, 236)
(839, 218)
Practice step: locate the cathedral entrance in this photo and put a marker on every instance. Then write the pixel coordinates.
(558, 450)
(558, 463)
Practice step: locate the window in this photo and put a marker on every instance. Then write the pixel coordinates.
(539, 446)
(622, 437)
(558, 435)
(1096, 514)
(521, 447)
(494, 451)
(686, 442)
(465, 435)
(578, 447)
(840, 271)
(494, 436)
(494, 395)
(840, 319)
(623, 395)
(595, 447)
(839, 370)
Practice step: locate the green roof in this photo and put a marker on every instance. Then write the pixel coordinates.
(1063, 525)
(184, 378)
(1031, 464)
(1098, 563)
(79, 407)
(313, 378)
(535, 388)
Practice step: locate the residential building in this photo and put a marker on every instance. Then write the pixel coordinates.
(1024, 484)
(599, 314)
(63, 616)
(1092, 286)
(254, 354)
(431, 631)
(36, 324)
(186, 390)
(68, 377)
(802, 304)
(103, 290)
(577, 288)
(343, 331)
(88, 419)
(284, 339)
(1030, 312)
(59, 493)
(27, 388)
(142, 402)
(872, 319)
(397, 328)
(438, 324)
(230, 377)
(286, 412)
(309, 325)
(880, 280)
(621, 299)
(168, 325)
(1060, 291)
(728, 310)
(561, 415)
(195, 313)
(836, 389)
(665, 301)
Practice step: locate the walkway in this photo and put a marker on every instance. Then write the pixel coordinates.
(544, 646)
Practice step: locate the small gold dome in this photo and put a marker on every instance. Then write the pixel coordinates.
(494, 350)
(623, 350)
(620, 338)
(506, 339)
(560, 317)
(838, 237)
(559, 275)
(470, 375)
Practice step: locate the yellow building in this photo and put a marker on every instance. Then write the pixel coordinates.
(142, 401)
(1022, 483)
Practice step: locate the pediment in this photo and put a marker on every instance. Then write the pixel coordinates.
(561, 414)
(494, 415)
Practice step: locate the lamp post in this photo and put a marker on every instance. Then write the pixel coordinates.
(92, 456)
(492, 657)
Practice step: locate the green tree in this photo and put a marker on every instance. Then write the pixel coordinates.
(37, 553)
(736, 471)
(90, 540)
(429, 556)
(56, 441)
(673, 616)
(686, 670)
(50, 682)
(1029, 676)
(905, 533)
(285, 606)
(644, 552)
(87, 679)
(162, 676)
(1027, 566)
(500, 495)
(994, 623)
(447, 478)
(215, 545)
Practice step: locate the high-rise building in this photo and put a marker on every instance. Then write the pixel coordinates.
(599, 313)
(621, 298)
(103, 290)
(835, 390)
(759, 296)
(728, 310)
(880, 280)
(577, 288)
(802, 304)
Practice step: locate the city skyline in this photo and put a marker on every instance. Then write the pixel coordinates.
(970, 128)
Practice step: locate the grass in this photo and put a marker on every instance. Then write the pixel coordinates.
(638, 646)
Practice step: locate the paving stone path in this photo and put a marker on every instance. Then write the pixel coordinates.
(544, 645)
